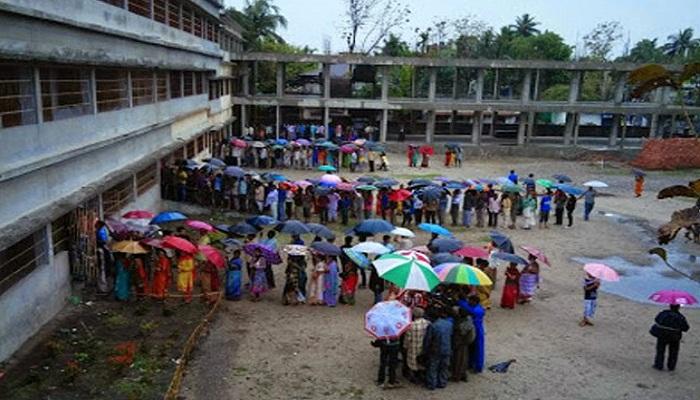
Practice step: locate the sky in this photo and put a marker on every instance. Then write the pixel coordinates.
(312, 20)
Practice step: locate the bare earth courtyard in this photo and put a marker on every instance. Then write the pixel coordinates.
(267, 351)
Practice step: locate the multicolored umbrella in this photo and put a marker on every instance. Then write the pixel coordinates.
(358, 258)
(537, 253)
(472, 252)
(436, 229)
(417, 254)
(673, 297)
(406, 272)
(325, 248)
(128, 247)
(602, 272)
(419, 249)
(180, 244)
(373, 226)
(371, 248)
(138, 214)
(199, 225)
(212, 255)
(388, 320)
(463, 274)
(168, 216)
(267, 252)
(327, 168)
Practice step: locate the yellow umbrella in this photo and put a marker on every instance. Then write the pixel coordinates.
(129, 247)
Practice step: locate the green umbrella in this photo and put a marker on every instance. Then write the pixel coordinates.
(406, 272)
(545, 183)
(511, 189)
(367, 187)
(327, 168)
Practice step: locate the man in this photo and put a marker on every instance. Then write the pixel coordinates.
(530, 183)
(468, 207)
(388, 358)
(463, 336)
(271, 200)
(588, 203)
(668, 329)
(513, 177)
(386, 241)
(454, 207)
(559, 205)
(438, 348)
(413, 345)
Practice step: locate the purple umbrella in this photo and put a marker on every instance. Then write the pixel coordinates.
(267, 252)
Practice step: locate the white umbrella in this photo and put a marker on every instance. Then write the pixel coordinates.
(371, 248)
(295, 250)
(398, 231)
(595, 184)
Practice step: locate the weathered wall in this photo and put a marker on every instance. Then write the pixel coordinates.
(669, 154)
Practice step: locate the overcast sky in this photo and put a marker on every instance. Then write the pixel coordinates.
(312, 20)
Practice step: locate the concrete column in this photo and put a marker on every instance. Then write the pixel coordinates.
(37, 97)
(384, 126)
(326, 81)
(246, 81)
(280, 79)
(479, 85)
(653, 126)
(454, 83)
(430, 127)
(619, 95)
(577, 124)
(525, 95)
(614, 130)
(492, 126)
(476, 128)
(278, 117)
(244, 118)
(385, 83)
(530, 126)
(93, 91)
(536, 90)
(575, 86)
(569, 128)
(432, 84)
(624, 133)
(326, 118)
(521, 128)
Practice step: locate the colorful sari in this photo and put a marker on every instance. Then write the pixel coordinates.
(185, 276)
(330, 284)
(511, 289)
(528, 285)
(259, 285)
(349, 285)
(233, 279)
(210, 282)
(161, 278)
(122, 283)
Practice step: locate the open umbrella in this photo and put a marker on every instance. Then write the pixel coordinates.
(570, 189)
(327, 168)
(415, 254)
(366, 187)
(430, 193)
(222, 227)
(602, 272)
(463, 274)
(399, 231)
(239, 143)
(367, 179)
(439, 268)
(303, 184)
(293, 227)
(433, 228)
(295, 250)
(261, 220)
(302, 142)
(472, 252)
(426, 149)
(345, 187)
(358, 258)
(419, 182)
(348, 148)
(373, 226)
(406, 272)
(178, 243)
(322, 190)
(445, 245)
(242, 229)
(212, 255)
(199, 225)
(138, 214)
(562, 178)
(388, 320)
(510, 188)
(231, 242)
(512, 258)
(673, 297)
(502, 241)
(320, 230)
(537, 253)
(267, 252)
(371, 248)
(234, 172)
(545, 183)
(217, 162)
(595, 184)
(331, 179)
(258, 145)
(638, 172)
(117, 227)
(442, 258)
(400, 195)
(325, 248)
(359, 142)
(128, 247)
(388, 182)
(420, 249)
(152, 242)
(168, 216)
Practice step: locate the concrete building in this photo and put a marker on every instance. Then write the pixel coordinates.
(93, 95)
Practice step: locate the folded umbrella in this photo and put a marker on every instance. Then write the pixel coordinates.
(406, 272)
(199, 225)
(261, 220)
(267, 252)
(388, 320)
(212, 255)
(371, 248)
(509, 257)
(325, 248)
(373, 226)
(602, 272)
(463, 274)
(539, 254)
(180, 244)
(242, 229)
(168, 216)
(128, 247)
(321, 231)
(358, 258)
(293, 227)
(138, 214)
(472, 252)
(673, 297)
(445, 245)
(442, 258)
(433, 228)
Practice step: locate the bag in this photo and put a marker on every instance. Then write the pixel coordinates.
(655, 331)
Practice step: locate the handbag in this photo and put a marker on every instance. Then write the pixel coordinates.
(655, 331)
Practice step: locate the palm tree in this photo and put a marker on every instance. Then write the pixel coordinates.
(259, 19)
(681, 44)
(525, 26)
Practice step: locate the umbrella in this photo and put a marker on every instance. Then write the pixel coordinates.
(537, 253)
(638, 172)
(222, 227)
(348, 148)
(433, 228)
(320, 230)
(116, 227)
(431, 193)
(388, 320)
(383, 184)
(562, 178)
(242, 229)
(400, 195)
(295, 250)
(415, 254)
(373, 226)
(442, 258)
(359, 142)
(217, 162)
(322, 190)
(366, 187)
(345, 187)
(199, 225)
(331, 179)
(168, 216)
(472, 252)
(398, 231)
(602, 272)
(231, 242)
(545, 183)
(569, 189)
(438, 269)
(293, 227)
(325, 248)
(420, 249)
(234, 171)
(445, 245)
(366, 179)
(281, 142)
(302, 142)
(502, 241)
(358, 258)
(510, 188)
(178, 243)
(406, 272)
(267, 252)
(673, 297)
(486, 181)
(157, 243)
(510, 257)
(388, 182)
(138, 214)
(419, 182)
(371, 248)
(595, 184)
(454, 185)
(303, 184)
(212, 255)
(261, 220)
(463, 274)
(128, 247)
(258, 145)
(425, 149)
(239, 143)
(327, 168)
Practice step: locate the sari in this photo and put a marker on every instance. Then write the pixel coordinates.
(185, 276)
(210, 282)
(330, 284)
(349, 285)
(511, 290)
(316, 285)
(161, 277)
(259, 285)
(142, 286)
(233, 279)
(122, 282)
(528, 285)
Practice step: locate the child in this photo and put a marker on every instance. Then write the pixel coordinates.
(590, 297)
(388, 359)
(385, 162)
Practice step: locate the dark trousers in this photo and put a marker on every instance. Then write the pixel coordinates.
(371, 165)
(673, 346)
(344, 216)
(430, 217)
(588, 207)
(363, 275)
(388, 358)
(438, 371)
(419, 216)
(270, 276)
(493, 219)
(570, 216)
(558, 216)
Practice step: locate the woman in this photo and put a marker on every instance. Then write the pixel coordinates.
(233, 277)
(259, 285)
(316, 285)
(529, 207)
(140, 276)
(349, 283)
(477, 353)
(291, 294)
(122, 282)
(330, 283)
(511, 288)
(161, 276)
(529, 280)
(209, 282)
(484, 291)
(507, 207)
(185, 275)
(638, 185)
(414, 157)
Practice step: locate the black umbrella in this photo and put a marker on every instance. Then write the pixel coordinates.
(562, 178)
(442, 258)
(320, 231)
(325, 248)
(293, 227)
(242, 229)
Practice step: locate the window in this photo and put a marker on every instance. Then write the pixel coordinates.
(190, 151)
(112, 89)
(159, 11)
(200, 143)
(187, 20)
(60, 233)
(18, 260)
(118, 196)
(161, 86)
(17, 100)
(212, 90)
(146, 179)
(142, 87)
(187, 87)
(210, 30)
(197, 25)
(175, 84)
(174, 14)
(198, 82)
(65, 93)
(140, 7)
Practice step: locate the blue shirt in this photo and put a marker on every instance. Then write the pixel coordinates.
(513, 178)
(546, 203)
(103, 235)
(242, 187)
(439, 337)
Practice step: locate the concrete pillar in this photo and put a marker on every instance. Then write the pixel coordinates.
(624, 133)
(280, 79)
(278, 117)
(385, 83)
(530, 126)
(246, 81)
(654, 126)
(383, 127)
(479, 85)
(619, 94)
(521, 128)
(577, 124)
(326, 81)
(569, 128)
(492, 126)
(525, 95)
(575, 86)
(614, 130)
(38, 101)
(430, 127)
(454, 83)
(476, 128)
(432, 84)
(326, 118)
(536, 90)
(244, 118)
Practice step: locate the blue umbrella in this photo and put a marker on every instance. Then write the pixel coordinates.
(502, 255)
(216, 162)
(168, 216)
(436, 229)
(273, 177)
(320, 230)
(281, 142)
(325, 248)
(445, 245)
(442, 258)
(222, 227)
(322, 190)
(261, 220)
(293, 227)
(373, 226)
(242, 229)
(235, 172)
(454, 185)
(502, 241)
(570, 189)
(366, 179)
(431, 193)
(358, 258)
(419, 182)
(562, 178)
(231, 242)
(485, 181)
(191, 163)
(387, 182)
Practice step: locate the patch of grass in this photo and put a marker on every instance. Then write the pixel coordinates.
(133, 390)
(148, 327)
(240, 371)
(116, 321)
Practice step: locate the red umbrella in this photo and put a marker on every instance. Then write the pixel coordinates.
(288, 186)
(425, 149)
(537, 253)
(239, 143)
(178, 243)
(400, 195)
(472, 252)
(213, 256)
(139, 214)
(199, 225)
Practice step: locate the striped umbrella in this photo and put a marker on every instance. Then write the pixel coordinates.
(463, 274)
(406, 272)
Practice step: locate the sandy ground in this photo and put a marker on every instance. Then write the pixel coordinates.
(268, 351)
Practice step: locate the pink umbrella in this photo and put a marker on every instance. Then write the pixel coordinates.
(602, 271)
(347, 148)
(213, 256)
(178, 243)
(673, 297)
(331, 179)
(472, 252)
(537, 253)
(302, 142)
(239, 143)
(344, 186)
(415, 255)
(139, 214)
(199, 225)
(303, 184)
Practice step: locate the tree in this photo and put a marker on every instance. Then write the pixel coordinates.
(525, 26)
(646, 51)
(600, 41)
(259, 20)
(681, 44)
(546, 46)
(368, 22)
(395, 47)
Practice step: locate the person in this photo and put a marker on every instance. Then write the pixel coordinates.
(384, 166)
(388, 359)
(515, 209)
(668, 329)
(506, 208)
(185, 275)
(413, 344)
(233, 277)
(410, 153)
(477, 351)
(513, 177)
(104, 257)
(272, 200)
(494, 208)
(316, 285)
(463, 335)
(559, 206)
(588, 203)
(479, 207)
(139, 268)
(529, 207)
(182, 178)
(307, 201)
(418, 209)
(282, 204)
(545, 208)
(358, 203)
(511, 287)
(529, 280)
(468, 207)
(530, 183)
(460, 156)
(454, 206)
(291, 293)
(122, 281)
(376, 284)
(349, 282)
(448, 157)
(414, 158)
(386, 242)
(443, 202)
(259, 285)
(333, 199)
(570, 207)
(431, 208)
(344, 205)
(330, 283)
(209, 281)
(161, 276)
(638, 185)
(590, 298)
(438, 349)
(425, 161)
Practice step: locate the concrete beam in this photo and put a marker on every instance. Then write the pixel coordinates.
(326, 118)
(280, 78)
(522, 124)
(619, 94)
(430, 127)
(476, 128)
(530, 126)
(246, 79)
(244, 118)
(278, 121)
